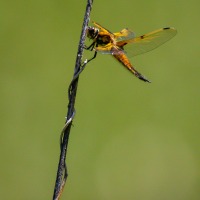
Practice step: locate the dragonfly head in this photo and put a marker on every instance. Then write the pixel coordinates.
(92, 32)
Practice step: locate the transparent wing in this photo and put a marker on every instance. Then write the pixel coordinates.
(101, 28)
(104, 49)
(147, 42)
(110, 49)
(124, 34)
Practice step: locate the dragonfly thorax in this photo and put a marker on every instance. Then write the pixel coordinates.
(103, 39)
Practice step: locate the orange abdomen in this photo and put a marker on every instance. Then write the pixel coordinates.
(122, 58)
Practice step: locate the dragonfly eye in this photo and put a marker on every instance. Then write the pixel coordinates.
(92, 32)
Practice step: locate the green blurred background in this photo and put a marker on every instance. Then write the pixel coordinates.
(130, 140)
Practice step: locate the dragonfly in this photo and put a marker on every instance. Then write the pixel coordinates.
(124, 44)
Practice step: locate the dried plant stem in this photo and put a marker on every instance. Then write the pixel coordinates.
(62, 167)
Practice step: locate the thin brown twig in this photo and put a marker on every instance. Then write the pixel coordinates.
(62, 167)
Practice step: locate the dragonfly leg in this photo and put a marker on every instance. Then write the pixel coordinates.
(95, 54)
(91, 47)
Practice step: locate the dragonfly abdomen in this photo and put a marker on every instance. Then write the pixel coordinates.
(122, 58)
